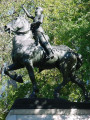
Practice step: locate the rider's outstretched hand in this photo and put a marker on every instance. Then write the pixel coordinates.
(22, 6)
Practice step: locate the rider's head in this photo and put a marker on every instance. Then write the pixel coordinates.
(38, 10)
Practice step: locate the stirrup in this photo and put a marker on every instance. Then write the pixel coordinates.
(51, 56)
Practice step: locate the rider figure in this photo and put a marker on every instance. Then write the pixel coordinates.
(38, 32)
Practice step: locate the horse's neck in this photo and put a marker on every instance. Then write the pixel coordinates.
(26, 27)
(25, 39)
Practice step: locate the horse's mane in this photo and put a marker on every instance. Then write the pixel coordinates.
(62, 47)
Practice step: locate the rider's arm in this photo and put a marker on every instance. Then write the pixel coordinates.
(27, 13)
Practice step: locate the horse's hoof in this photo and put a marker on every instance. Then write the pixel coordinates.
(19, 79)
(32, 96)
(5, 71)
(87, 99)
(35, 88)
(56, 95)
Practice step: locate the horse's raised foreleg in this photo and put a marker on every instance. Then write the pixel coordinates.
(11, 68)
(80, 83)
(29, 68)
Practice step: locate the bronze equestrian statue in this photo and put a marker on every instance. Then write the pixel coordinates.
(26, 53)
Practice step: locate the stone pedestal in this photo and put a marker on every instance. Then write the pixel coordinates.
(48, 109)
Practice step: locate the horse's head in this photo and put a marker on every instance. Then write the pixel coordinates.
(18, 25)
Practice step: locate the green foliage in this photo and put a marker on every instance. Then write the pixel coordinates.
(66, 22)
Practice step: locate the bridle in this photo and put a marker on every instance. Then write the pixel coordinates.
(25, 32)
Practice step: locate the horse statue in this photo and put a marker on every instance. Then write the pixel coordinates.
(26, 53)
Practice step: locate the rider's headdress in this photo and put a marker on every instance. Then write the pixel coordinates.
(41, 9)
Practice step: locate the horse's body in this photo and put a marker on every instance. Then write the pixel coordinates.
(25, 53)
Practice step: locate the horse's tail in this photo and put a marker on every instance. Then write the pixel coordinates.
(79, 61)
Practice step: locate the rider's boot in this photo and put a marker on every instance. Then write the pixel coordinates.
(48, 50)
(50, 55)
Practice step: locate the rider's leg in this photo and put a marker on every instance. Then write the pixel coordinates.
(45, 44)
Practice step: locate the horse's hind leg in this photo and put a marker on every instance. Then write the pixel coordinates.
(57, 90)
(11, 68)
(65, 68)
(80, 83)
(60, 86)
(29, 68)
